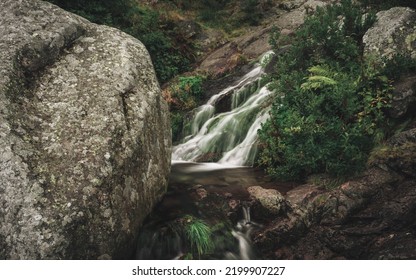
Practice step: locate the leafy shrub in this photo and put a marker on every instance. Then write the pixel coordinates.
(187, 92)
(211, 10)
(328, 109)
(183, 95)
(251, 12)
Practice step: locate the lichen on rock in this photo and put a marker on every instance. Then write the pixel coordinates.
(85, 136)
(393, 33)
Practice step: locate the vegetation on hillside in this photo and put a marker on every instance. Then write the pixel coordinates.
(330, 102)
(172, 53)
(155, 23)
(183, 95)
(384, 5)
(329, 108)
(226, 14)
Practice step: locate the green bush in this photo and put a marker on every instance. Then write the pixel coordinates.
(328, 110)
(187, 92)
(184, 95)
(251, 13)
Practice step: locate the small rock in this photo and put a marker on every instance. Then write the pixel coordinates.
(270, 199)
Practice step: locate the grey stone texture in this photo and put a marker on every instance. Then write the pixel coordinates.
(84, 136)
(393, 33)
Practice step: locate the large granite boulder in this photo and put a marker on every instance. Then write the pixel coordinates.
(393, 33)
(84, 136)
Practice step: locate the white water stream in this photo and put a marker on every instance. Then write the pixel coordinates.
(228, 137)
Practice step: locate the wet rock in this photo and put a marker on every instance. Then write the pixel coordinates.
(403, 138)
(404, 97)
(222, 60)
(84, 136)
(291, 21)
(201, 192)
(393, 33)
(400, 155)
(303, 194)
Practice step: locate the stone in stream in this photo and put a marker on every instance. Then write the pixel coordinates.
(84, 136)
(270, 199)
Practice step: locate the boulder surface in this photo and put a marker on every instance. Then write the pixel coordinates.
(393, 33)
(84, 136)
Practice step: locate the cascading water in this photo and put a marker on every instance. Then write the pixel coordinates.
(242, 234)
(228, 137)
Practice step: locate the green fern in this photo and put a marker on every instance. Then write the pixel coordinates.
(320, 78)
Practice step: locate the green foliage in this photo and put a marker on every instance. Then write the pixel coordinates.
(184, 94)
(110, 12)
(384, 5)
(398, 66)
(333, 33)
(211, 10)
(198, 235)
(176, 120)
(191, 85)
(187, 92)
(251, 13)
(331, 113)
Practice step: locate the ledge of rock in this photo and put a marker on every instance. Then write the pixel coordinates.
(84, 136)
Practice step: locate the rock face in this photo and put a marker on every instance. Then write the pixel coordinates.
(404, 97)
(251, 45)
(371, 217)
(272, 200)
(84, 136)
(393, 33)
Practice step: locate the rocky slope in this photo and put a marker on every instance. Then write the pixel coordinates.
(85, 138)
(371, 217)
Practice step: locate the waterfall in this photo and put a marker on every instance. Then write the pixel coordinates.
(242, 234)
(229, 137)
